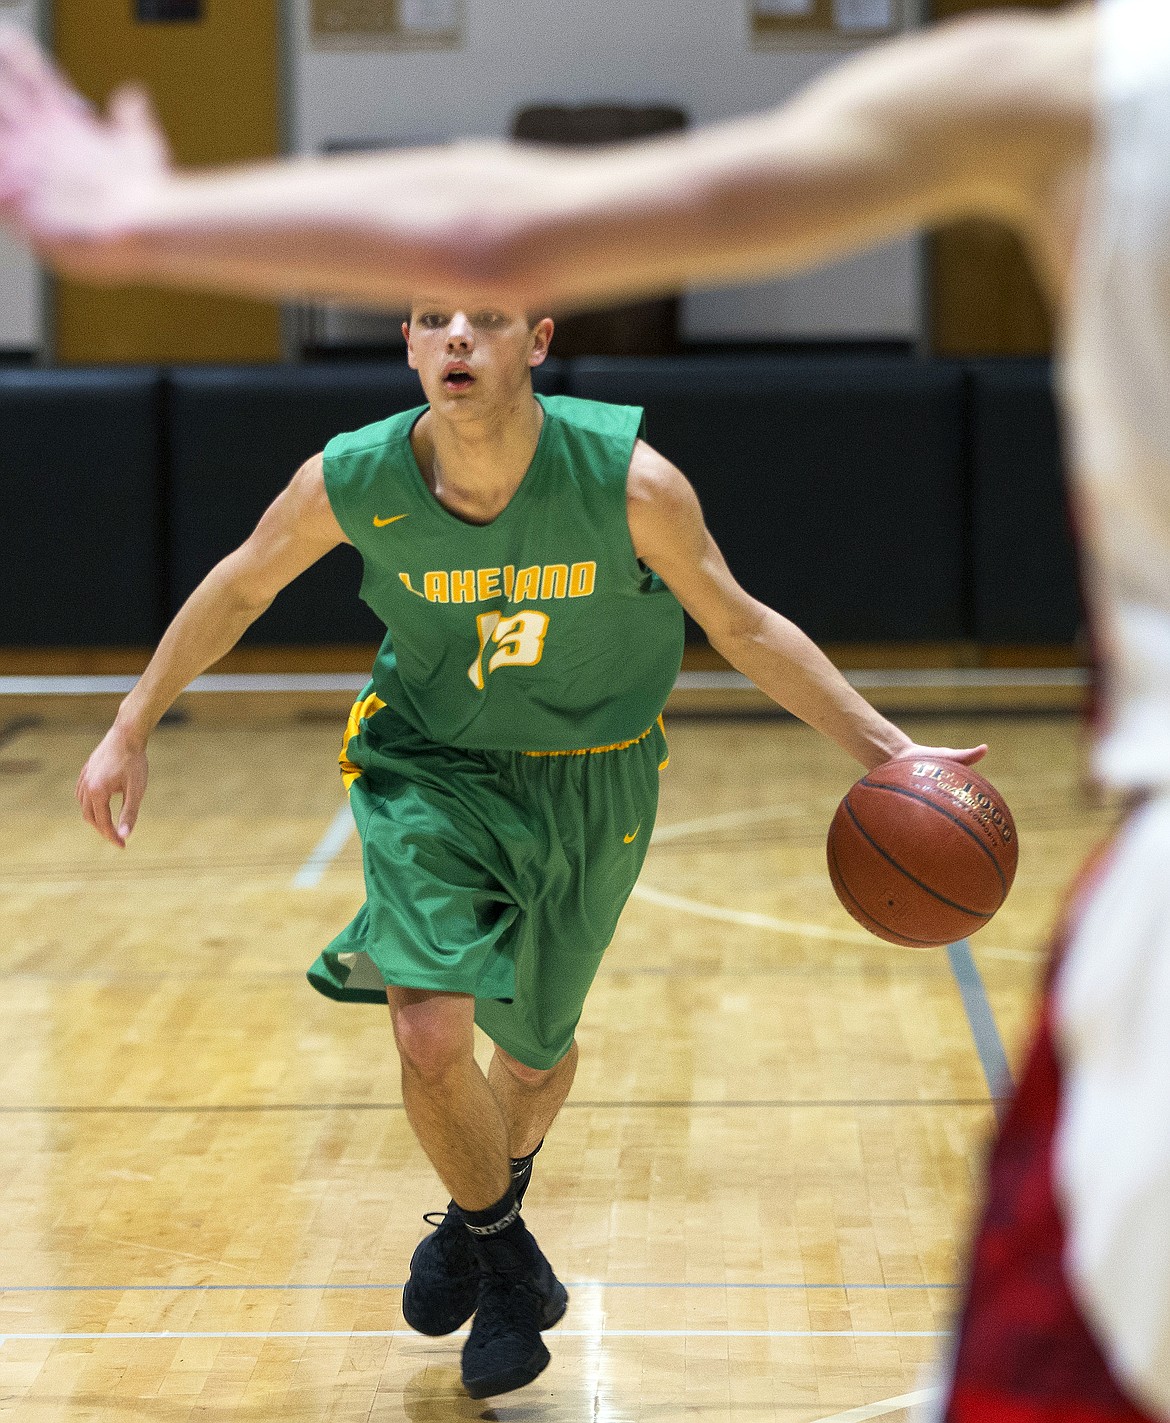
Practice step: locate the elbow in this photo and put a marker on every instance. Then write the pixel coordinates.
(495, 257)
(241, 600)
(248, 604)
(494, 242)
(734, 637)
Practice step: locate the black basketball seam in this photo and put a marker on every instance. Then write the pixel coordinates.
(861, 909)
(934, 894)
(944, 811)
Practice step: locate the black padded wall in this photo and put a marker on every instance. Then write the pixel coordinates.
(872, 498)
(1024, 563)
(833, 485)
(79, 508)
(236, 437)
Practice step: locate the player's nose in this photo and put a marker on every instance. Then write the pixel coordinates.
(460, 333)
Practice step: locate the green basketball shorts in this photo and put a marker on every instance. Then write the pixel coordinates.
(500, 874)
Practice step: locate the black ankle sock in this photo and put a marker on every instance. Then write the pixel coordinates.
(500, 1238)
(522, 1171)
(496, 1220)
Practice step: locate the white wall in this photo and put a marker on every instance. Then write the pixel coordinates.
(695, 53)
(20, 281)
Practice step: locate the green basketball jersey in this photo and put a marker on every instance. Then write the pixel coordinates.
(540, 631)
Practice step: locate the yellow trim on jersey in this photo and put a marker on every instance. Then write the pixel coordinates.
(363, 710)
(598, 750)
(359, 712)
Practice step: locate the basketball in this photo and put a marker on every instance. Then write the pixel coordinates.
(922, 853)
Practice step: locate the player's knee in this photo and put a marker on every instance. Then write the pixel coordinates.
(431, 1039)
(530, 1076)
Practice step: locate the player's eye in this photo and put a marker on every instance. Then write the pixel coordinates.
(490, 318)
(432, 320)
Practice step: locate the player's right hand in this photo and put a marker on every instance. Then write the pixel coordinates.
(117, 767)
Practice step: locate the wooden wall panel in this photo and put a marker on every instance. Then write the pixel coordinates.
(216, 83)
(984, 300)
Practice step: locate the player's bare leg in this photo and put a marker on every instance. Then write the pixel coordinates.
(481, 1257)
(529, 1098)
(453, 1112)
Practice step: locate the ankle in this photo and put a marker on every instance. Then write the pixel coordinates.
(522, 1170)
(500, 1238)
(495, 1219)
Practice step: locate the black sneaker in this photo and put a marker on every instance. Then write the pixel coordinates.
(444, 1276)
(504, 1350)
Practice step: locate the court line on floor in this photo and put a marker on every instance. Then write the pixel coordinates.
(981, 1020)
(117, 684)
(742, 971)
(569, 1284)
(726, 820)
(887, 1405)
(561, 1334)
(749, 919)
(326, 850)
(994, 678)
(588, 1104)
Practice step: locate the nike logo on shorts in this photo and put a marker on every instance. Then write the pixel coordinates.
(393, 519)
(629, 839)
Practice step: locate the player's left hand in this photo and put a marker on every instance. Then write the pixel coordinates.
(71, 180)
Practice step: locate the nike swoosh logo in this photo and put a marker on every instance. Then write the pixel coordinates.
(629, 839)
(393, 519)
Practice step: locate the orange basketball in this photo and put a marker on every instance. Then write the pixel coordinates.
(922, 852)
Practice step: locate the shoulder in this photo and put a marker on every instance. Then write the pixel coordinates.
(372, 439)
(1018, 84)
(654, 480)
(973, 112)
(594, 417)
(979, 61)
(309, 492)
(660, 501)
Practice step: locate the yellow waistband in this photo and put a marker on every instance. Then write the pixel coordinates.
(373, 703)
(597, 750)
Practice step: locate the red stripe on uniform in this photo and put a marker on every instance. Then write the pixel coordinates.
(1025, 1352)
(975, 1405)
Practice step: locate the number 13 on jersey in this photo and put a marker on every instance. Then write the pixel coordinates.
(519, 642)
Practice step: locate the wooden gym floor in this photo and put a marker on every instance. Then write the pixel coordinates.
(759, 1192)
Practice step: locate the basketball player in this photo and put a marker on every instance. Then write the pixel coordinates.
(529, 557)
(1059, 126)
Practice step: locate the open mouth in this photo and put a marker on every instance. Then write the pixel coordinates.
(458, 380)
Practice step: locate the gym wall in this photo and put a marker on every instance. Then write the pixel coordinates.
(524, 51)
(521, 52)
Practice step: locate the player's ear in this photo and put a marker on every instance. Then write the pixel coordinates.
(410, 360)
(542, 334)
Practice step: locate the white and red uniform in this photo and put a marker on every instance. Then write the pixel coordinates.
(1068, 1311)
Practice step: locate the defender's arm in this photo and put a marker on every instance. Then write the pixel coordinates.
(977, 117)
(297, 529)
(670, 537)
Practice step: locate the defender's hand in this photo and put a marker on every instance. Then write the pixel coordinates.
(117, 767)
(71, 180)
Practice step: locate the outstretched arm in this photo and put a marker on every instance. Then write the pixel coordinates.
(297, 530)
(670, 537)
(979, 117)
